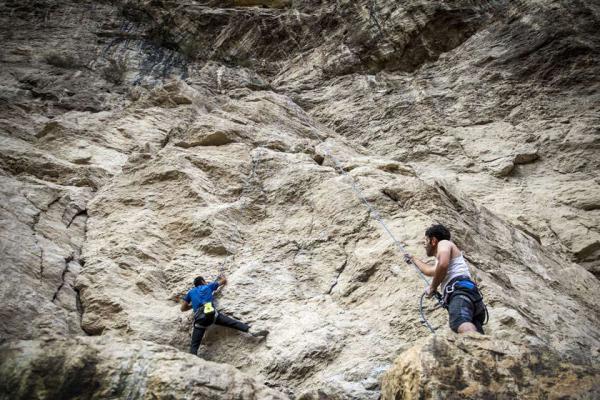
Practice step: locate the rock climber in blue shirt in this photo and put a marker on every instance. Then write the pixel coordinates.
(200, 299)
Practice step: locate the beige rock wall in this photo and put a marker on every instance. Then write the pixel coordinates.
(478, 368)
(105, 367)
(144, 143)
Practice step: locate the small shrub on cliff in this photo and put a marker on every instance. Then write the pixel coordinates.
(115, 70)
(133, 11)
(190, 48)
(62, 60)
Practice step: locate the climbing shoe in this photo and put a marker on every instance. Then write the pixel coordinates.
(260, 334)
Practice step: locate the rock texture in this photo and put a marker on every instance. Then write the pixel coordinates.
(476, 367)
(510, 114)
(101, 368)
(146, 142)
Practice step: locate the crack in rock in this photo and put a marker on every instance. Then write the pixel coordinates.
(36, 221)
(62, 277)
(342, 268)
(390, 195)
(382, 32)
(41, 262)
(79, 213)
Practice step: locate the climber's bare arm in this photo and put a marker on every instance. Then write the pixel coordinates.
(185, 306)
(425, 268)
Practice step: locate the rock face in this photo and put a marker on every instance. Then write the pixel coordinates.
(143, 143)
(477, 367)
(101, 368)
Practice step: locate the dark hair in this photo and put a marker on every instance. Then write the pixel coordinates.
(199, 281)
(438, 231)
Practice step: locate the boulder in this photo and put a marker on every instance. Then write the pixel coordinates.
(480, 367)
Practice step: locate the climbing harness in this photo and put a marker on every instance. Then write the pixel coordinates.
(463, 286)
(205, 315)
(208, 308)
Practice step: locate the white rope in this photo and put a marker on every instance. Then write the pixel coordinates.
(372, 211)
(375, 214)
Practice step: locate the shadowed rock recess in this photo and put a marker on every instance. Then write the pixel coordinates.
(145, 142)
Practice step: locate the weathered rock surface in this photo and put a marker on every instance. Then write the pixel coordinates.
(145, 142)
(43, 232)
(477, 367)
(514, 98)
(107, 367)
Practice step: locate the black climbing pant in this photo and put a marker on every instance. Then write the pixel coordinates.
(222, 320)
(463, 309)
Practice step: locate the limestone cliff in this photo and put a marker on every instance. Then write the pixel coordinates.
(145, 142)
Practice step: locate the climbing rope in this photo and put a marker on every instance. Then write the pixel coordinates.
(372, 211)
(376, 216)
(422, 314)
(357, 190)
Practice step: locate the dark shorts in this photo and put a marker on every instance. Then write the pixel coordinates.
(462, 309)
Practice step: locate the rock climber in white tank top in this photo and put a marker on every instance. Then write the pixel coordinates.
(451, 273)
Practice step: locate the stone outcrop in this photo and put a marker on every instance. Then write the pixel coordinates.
(43, 232)
(143, 143)
(489, 109)
(105, 367)
(476, 367)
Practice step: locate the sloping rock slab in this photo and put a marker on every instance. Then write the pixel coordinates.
(110, 368)
(482, 367)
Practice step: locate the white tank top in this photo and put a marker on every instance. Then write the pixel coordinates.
(456, 267)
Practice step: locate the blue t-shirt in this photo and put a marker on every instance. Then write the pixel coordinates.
(201, 294)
